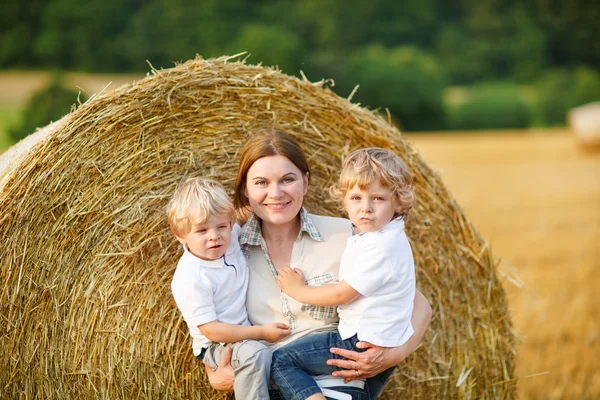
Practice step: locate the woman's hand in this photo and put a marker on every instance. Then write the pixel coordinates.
(369, 363)
(222, 377)
(377, 359)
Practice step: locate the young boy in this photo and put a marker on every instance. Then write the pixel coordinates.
(376, 290)
(210, 284)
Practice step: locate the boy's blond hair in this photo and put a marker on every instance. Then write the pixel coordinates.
(194, 201)
(365, 166)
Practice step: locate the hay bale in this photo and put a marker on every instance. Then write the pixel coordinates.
(88, 257)
(11, 158)
(584, 121)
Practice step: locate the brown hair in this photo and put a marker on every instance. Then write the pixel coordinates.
(364, 166)
(265, 144)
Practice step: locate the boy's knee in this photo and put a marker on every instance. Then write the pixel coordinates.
(280, 358)
(252, 352)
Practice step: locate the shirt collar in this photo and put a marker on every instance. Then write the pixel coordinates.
(396, 223)
(218, 263)
(252, 234)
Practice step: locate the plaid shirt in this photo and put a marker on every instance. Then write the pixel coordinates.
(252, 236)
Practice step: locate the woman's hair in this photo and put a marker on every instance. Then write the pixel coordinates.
(194, 201)
(364, 166)
(266, 144)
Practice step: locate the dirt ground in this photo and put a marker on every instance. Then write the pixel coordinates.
(535, 195)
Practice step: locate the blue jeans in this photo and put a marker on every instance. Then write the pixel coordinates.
(293, 365)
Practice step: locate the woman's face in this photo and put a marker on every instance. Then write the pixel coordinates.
(275, 188)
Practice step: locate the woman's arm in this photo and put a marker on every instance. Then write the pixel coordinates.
(377, 359)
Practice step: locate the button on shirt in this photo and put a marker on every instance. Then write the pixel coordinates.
(206, 291)
(379, 265)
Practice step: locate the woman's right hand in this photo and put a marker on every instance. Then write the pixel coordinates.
(222, 377)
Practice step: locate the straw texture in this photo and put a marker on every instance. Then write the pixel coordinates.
(87, 258)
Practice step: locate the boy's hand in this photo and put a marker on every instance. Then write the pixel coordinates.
(290, 280)
(275, 331)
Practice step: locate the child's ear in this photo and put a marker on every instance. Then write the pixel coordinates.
(398, 207)
(179, 238)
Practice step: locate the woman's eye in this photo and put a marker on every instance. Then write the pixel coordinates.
(260, 183)
(288, 180)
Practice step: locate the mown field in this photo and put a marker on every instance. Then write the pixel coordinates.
(535, 195)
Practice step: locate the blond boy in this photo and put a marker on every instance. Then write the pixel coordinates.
(377, 281)
(210, 284)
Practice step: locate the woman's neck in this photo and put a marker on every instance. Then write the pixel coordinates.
(281, 232)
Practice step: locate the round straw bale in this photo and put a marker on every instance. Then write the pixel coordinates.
(584, 121)
(88, 257)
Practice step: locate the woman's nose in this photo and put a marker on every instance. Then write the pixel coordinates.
(275, 191)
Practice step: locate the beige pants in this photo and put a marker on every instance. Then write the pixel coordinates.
(251, 362)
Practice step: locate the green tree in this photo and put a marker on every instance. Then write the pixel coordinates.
(47, 105)
(19, 26)
(495, 105)
(167, 31)
(79, 35)
(571, 28)
(271, 45)
(407, 81)
(560, 90)
(492, 40)
(344, 25)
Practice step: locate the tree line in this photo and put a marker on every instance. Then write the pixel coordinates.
(401, 53)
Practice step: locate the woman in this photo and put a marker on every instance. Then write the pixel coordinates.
(271, 184)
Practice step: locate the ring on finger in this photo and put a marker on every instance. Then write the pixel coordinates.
(356, 371)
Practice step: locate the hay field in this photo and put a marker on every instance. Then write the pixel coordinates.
(535, 195)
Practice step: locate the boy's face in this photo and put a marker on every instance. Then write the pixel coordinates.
(209, 240)
(370, 209)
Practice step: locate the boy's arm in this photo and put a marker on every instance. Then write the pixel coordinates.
(229, 333)
(334, 294)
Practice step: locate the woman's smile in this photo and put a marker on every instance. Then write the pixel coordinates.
(277, 206)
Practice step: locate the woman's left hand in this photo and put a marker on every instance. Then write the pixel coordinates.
(377, 359)
(369, 363)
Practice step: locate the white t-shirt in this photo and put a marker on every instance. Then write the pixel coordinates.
(380, 266)
(206, 291)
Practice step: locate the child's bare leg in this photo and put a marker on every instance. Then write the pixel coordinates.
(316, 396)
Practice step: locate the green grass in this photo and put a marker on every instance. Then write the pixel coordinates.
(8, 118)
